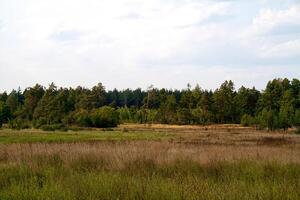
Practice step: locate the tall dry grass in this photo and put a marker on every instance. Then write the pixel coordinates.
(197, 163)
(153, 170)
(118, 153)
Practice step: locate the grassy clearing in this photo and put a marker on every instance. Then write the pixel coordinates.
(149, 162)
(196, 135)
(49, 177)
(35, 136)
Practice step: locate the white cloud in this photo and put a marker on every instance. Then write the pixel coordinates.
(286, 49)
(268, 19)
(274, 34)
(132, 43)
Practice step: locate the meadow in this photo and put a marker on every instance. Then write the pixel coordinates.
(150, 162)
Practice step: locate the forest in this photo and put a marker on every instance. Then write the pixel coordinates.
(51, 108)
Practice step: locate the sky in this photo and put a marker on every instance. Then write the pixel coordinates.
(137, 43)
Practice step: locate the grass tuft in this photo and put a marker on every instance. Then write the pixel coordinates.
(90, 178)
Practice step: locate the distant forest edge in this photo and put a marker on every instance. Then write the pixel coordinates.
(276, 107)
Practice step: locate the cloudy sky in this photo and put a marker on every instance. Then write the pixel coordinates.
(136, 43)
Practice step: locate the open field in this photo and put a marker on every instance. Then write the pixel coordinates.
(150, 162)
(38, 136)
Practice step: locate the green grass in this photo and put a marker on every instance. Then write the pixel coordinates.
(85, 175)
(35, 136)
(51, 178)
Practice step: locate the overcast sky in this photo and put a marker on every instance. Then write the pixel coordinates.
(136, 43)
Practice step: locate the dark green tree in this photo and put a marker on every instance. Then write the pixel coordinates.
(246, 101)
(296, 120)
(224, 103)
(167, 110)
(4, 113)
(32, 97)
(286, 112)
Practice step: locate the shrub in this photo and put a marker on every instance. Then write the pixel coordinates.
(76, 128)
(105, 117)
(39, 122)
(296, 121)
(47, 128)
(247, 120)
(82, 118)
(184, 116)
(268, 119)
(124, 114)
(108, 129)
(64, 128)
(18, 124)
(53, 127)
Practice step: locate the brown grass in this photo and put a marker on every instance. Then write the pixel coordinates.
(117, 154)
(196, 162)
(226, 134)
(202, 144)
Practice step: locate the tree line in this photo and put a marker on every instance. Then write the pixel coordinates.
(275, 107)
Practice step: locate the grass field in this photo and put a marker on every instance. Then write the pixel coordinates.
(150, 162)
(36, 136)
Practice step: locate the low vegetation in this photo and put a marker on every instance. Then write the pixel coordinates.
(48, 177)
(35, 136)
(137, 161)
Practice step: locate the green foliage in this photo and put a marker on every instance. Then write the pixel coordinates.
(19, 124)
(105, 117)
(246, 101)
(224, 102)
(14, 101)
(167, 111)
(268, 119)
(202, 116)
(184, 116)
(126, 114)
(285, 117)
(83, 118)
(270, 98)
(54, 127)
(5, 114)
(146, 116)
(296, 120)
(247, 120)
(32, 97)
(90, 99)
(273, 108)
(47, 128)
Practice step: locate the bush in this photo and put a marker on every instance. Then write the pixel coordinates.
(268, 119)
(47, 128)
(19, 124)
(64, 128)
(105, 117)
(39, 122)
(53, 127)
(184, 116)
(296, 121)
(247, 120)
(125, 114)
(82, 118)
(78, 128)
